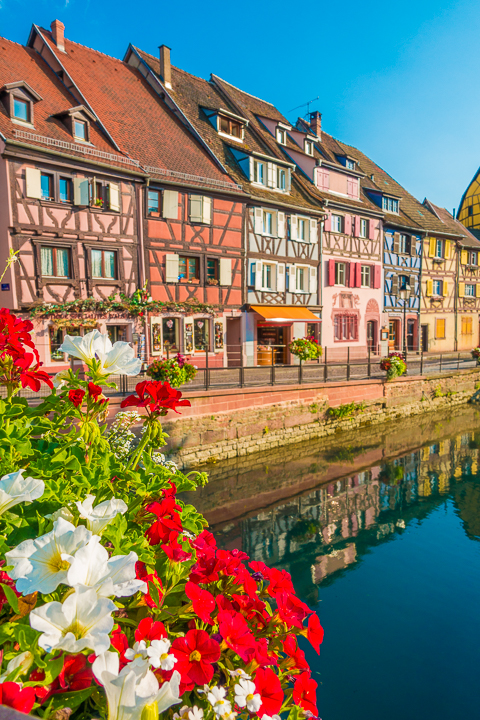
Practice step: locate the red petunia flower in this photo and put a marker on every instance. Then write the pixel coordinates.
(195, 653)
(119, 641)
(149, 629)
(94, 391)
(237, 634)
(296, 655)
(280, 582)
(315, 632)
(168, 520)
(30, 374)
(156, 396)
(141, 573)
(268, 685)
(13, 696)
(76, 397)
(292, 610)
(304, 693)
(174, 551)
(76, 673)
(203, 602)
(43, 693)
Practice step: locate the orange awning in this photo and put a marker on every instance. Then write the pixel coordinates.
(280, 313)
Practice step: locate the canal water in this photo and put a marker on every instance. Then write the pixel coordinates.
(380, 531)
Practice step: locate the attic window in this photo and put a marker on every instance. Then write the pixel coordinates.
(80, 130)
(21, 109)
(308, 147)
(281, 136)
(18, 99)
(350, 164)
(390, 204)
(77, 121)
(230, 127)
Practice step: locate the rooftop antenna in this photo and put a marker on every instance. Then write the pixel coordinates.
(307, 105)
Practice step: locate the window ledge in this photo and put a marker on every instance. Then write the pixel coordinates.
(56, 203)
(231, 137)
(22, 123)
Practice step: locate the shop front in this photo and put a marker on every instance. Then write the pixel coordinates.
(274, 328)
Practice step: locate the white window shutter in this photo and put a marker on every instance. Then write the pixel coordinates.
(274, 277)
(258, 275)
(170, 204)
(312, 287)
(196, 213)
(225, 271)
(252, 169)
(280, 277)
(207, 210)
(293, 227)
(270, 168)
(258, 221)
(292, 278)
(281, 224)
(114, 196)
(313, 231)
(33, 183)
(289, 180)
(81, 191)
(171, 267)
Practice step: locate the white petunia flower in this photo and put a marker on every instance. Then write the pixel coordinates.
(118, 358)
(92, 567)
(21, 663)
(61, 513)
(138, 652)
(239, 673)
(271, 717)
(245, 696)
(159, 656)
(195, 713)
(81, 346)
(216, 698)
(133, 689)
(98, 517)
(229, 715)
(83, 621)
(182, 713)
(15, 489)
(61, 379)
(42, 564)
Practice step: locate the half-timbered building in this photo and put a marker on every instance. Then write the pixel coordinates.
(280, 223)
(188, 212)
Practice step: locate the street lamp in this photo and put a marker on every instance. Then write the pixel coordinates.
(404, 295)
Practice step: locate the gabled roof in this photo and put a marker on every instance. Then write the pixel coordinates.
(453, 226)
(136, 119)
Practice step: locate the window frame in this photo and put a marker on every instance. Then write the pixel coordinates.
(305, 271)
(103, 277)
(439, 245)
(473, 287)
(85, 125)
(265, 266)
(306, 226)
(51, 183)
(265, 214)
(341, 223)
(340, 269)
(350, 164)
(69, 181)
(216, 273)
(256, 165)
(473, 258)
(28, 106)
(188, 277)
(281, 172)
(365, 271)
(158, 193)
(231, 123)
(403, 243)
(345, 327)
(283, 132)
(439, 283)
(390, 205)
(54, 249)
(363, 228)
(308, 147)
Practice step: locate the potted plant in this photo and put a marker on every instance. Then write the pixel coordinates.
(476, 354)
(394, 365)
(212, 281)
(177, 371)
(305, 348)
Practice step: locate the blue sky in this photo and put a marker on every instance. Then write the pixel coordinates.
(398, 80)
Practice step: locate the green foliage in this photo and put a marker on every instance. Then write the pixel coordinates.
(437, 392)
(345, 411)
(305, 349)
(177, 371)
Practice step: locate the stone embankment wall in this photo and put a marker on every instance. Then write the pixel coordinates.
(224, 424)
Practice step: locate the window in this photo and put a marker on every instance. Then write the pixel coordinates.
(104, 264)
(337, 223)
(153, 203)
(309, 147)
(267, 223)
(303, 226)
(200, 209)
(363, 228)
(281, 136)
(404, 244)
(212, 271)
(267, 276)
(281, 179)
(65, 190)
(440, 324)
(313, 331)
(80, 130)
(201, 334)
(98, 194)
(350, 164)
(470, 210)
(301, 277)
(403, 282)
(46, 183)
(259, 172)
(366, 275)
(55, 262)
(21, 109)
(56, 339)
(439, 249)
(117, 333)
(188, 268)
(339, 273)
(234, 128)
(473, 257)
(469, 290)
(467, 326)
(170, 329)
(390, 205)
(437, 287)
(345, 327)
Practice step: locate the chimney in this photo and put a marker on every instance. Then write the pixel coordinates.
(316, 123)
(165, 67)
(58, 31)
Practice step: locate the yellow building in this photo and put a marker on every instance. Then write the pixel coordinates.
(450, 286)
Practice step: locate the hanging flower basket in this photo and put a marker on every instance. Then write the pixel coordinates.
(394, 365)
(305, 348)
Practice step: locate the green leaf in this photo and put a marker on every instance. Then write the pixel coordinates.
(11, 597)
(71, 699)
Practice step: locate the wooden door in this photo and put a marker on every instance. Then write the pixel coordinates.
(393, 335)
(234, 342)
(371, 335)
(424, 338)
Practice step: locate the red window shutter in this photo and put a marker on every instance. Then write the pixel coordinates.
(331, 272)
(348, 224)
(358, 275)
(377, 276)
(371, 229)
(327, 224)
(357, 225)
(352, 274)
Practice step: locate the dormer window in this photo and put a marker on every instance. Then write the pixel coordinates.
(281, 136)
(80, 130)
(308, 147)
(281, 178)
(18, 99)
(390, 204)
(77, 121)
(231, 127)
(259, 172)
(350, 165)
